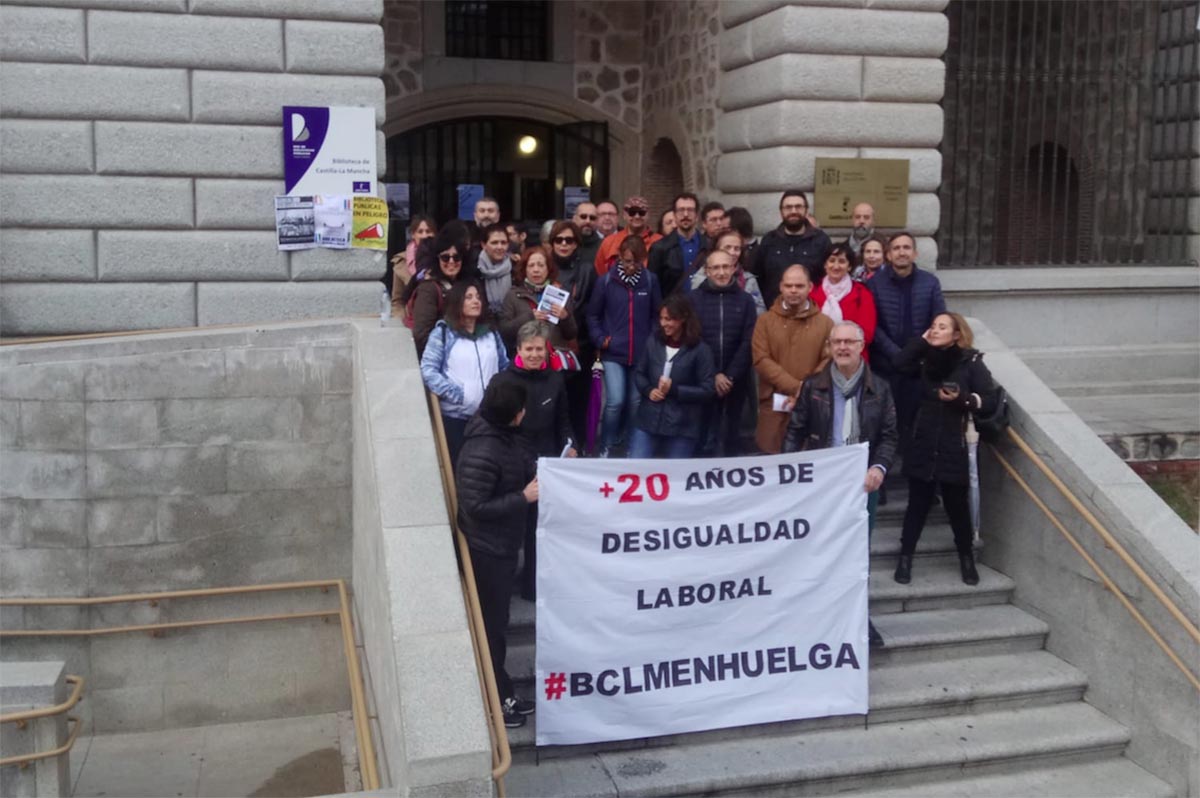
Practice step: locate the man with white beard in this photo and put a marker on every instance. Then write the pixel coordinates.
(863, 220)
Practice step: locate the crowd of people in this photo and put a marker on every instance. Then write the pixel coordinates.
(681, 322)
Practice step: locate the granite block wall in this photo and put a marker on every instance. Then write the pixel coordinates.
(140, 148)
(176, 461)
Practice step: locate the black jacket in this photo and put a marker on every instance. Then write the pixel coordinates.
(491, 474)
(547, 425)
(581, 283)
(778, 250)
(665, 262)
(677, 416)
(727, 317)
(937, 450)
(811, 424)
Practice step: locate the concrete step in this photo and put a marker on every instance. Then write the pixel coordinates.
(1109, 778)
(1072, 365)
(898, 692)
(825, 762)
(1164, 386)
(915, 636)
(1138, 414)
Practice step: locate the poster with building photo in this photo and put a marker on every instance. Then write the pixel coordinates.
(295, 225)
(333, 214)
(398, 203)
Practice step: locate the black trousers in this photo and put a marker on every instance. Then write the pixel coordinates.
(494, 580)
(579, 392)
(906, 392)
(529, 567)
(721, 423)
(920, 499)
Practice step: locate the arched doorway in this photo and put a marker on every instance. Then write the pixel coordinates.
(664, 175)
(532, 168)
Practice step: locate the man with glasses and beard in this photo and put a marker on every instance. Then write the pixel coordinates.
(636, 210)
(796, 240)
(673, 256)
(585, 219)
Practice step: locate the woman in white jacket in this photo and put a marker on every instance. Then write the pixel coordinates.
(462, 355)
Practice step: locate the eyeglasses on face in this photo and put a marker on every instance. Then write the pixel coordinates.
(795, 206)
(587, 217)
(845, 341)
(564, 239)
(635, 211)
(446, 257)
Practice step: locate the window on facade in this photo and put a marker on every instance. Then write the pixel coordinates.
(1067, 132)
(516, 30)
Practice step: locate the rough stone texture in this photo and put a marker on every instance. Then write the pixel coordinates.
(132, 148)
(47, 254)
(333, 47)
(29, 145)
(402, 68)
(609, 58)
(38, 308)
(232, 303)
(237, 204)
(903, 79)
(682, 88)
(186, 256)
(793, 76)
(328, 264)
(42, 34)
(147, 115)
(192, 460)
(34, 685)
(184, 40)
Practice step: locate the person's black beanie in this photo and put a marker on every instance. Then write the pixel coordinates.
(502, 400)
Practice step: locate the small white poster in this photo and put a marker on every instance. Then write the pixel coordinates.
(334, 215)
(328, 150)
(552, 297)
(295, 226)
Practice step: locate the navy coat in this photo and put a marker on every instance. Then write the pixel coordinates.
(727, 316)
(895, 328)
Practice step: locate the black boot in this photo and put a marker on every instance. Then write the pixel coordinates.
(966, 562)
(904, 569)
(873, 635)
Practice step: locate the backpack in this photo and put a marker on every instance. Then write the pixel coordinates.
(408, 306)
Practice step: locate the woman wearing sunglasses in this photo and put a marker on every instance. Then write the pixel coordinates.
(443, 268)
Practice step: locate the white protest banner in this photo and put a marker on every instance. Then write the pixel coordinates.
(683, 595)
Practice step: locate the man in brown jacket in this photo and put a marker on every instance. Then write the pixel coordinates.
(789, 344)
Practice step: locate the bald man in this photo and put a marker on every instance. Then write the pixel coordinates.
(863, 221)
(789, 345)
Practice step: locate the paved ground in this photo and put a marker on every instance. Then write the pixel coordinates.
(285, 757)
(1137, 414)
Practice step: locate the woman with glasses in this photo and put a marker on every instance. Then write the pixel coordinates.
(462, 355)
(620, 317)
(443, 267)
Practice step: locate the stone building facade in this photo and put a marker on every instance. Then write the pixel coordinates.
(140, 148)
(139, 139)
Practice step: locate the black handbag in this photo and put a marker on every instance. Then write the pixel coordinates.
(991, 427)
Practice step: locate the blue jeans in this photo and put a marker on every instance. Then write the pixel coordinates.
(620, 399)
(643, 445)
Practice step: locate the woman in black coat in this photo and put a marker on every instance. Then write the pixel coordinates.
(954, 384)
(546, 430)
(675, 378)
(494, 491)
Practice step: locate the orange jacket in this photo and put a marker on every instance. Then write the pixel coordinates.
(610, 247)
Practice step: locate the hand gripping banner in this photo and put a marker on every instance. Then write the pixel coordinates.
(684, 595)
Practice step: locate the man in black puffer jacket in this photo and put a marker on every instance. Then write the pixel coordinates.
(496, 483)
(727, 316)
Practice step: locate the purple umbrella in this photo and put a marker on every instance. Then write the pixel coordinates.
(595, 405)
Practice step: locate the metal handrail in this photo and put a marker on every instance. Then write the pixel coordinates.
(1111, 542)
(501, 753)
(362, 726)
(20, 718)
(23, 760)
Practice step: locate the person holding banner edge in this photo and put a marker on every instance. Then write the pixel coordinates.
(496, 484)
(954, 383)
(845, 403)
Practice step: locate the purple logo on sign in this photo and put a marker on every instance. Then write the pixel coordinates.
(362, 187)
(304, 129)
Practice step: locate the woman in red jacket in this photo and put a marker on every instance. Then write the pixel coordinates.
(843, 299)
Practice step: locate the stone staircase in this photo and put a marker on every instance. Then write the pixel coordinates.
(964, 701)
